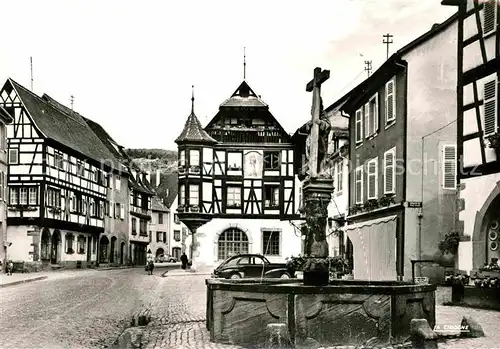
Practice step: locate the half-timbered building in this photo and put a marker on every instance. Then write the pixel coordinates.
(402, 146)
(237, 177)
(114, 242)
(57, 184)
(478, 128)
(140, 203)
(5, 119)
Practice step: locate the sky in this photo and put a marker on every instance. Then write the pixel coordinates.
(130, 65)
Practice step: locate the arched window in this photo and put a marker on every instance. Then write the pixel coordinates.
(232, 241)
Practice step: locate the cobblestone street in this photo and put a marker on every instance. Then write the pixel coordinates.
(90, 309)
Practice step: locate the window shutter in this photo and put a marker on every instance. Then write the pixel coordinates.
(122, 211)
(390, 108)
(367, 120)
(389, 172)
(490, 12)
(372, 179)
(359, 126)
(490, 118)
(449, 166)
(375, 114)
(2, 184)
(359, 185)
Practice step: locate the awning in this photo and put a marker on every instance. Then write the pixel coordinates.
(374, 248)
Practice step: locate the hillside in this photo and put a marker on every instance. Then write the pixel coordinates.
(151, 160)
(154, 159)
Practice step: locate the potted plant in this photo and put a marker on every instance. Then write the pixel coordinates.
(195, 208)
(180, 208)
(371, 204)
(458, 283)
(355, 209)
(181, 169)
(449, 247)
(194, 169)
(386, 200)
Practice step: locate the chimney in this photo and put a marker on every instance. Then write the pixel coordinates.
(158, 178)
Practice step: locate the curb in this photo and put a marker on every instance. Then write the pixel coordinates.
(184, 274)
(23, 281)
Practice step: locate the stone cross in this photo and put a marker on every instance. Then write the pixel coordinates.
(315, 86)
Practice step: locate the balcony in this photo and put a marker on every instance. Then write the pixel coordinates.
(246, 135)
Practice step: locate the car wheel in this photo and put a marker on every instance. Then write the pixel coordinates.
(235, 276)
(285, 276)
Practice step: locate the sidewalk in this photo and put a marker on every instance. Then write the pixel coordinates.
(202, 270)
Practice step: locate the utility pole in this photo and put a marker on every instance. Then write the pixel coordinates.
(387, 42)
(368, 67)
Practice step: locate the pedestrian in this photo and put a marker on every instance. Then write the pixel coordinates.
(10, 267)
(184, 260)
(150, 263)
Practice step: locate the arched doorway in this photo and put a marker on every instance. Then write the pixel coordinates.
(122, 252)
(103, 249)
(112, 250)
(45, 246)
(55, 247)
(159, 252)
(232, 241)
(486, 235)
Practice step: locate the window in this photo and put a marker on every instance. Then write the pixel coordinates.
(359, 185)
(160, 218)
(13, 156)
(182, 158)
(2, 186)
(234, 161)
(340, 176)
(371, 116)
(359, 126)
(80, 169)
(232, 241)
(176, 219)
(117, 210)
(490, 13)
(449, 167)
(233, 196)
(23, 196)
(122, 211)
(271, 160)
(143, 227)
(372, 179)
(390, 101)
(390, 171)
(271, 195)
(194, 194)
(134, 225)
(81, 244)
(159, 236)
(182, 195)
(118, 182)
(490, 117)
(53, 197)
(194, 158)
(69, 243)
(32, 199)
(177, 235)
(271, 243)
(14, 196)
(58, 160)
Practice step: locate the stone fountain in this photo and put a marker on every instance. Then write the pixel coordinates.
(316, 311)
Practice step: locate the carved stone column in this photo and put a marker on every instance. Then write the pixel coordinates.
(317, 196)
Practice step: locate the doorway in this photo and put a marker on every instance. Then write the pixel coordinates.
(55, 250)
(112, 250)
(122, 252)
(89, 249)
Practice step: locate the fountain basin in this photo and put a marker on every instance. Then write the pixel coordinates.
(346, 312)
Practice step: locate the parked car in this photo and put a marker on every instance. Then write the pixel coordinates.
(251, 266)
(165, 258)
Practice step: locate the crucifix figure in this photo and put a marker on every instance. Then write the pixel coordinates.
(317, 191)
(314, 86)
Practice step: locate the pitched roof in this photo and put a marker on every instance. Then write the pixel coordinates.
(157, 205)
(244, 96)
(5, 116)
(69, 129)
(194, 132)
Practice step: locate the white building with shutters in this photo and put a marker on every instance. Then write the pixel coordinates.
(478, 124)
(402, 146)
